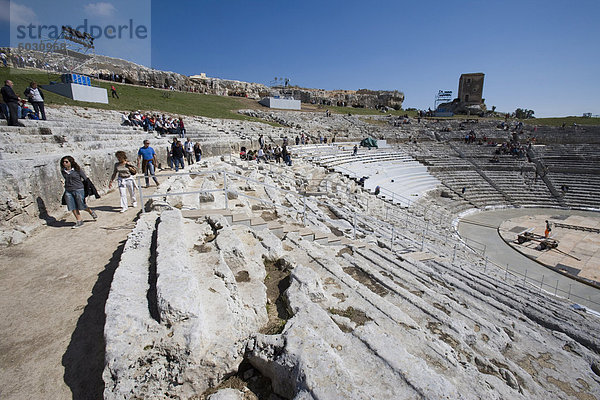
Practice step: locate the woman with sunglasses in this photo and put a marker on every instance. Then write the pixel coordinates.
(74, 193)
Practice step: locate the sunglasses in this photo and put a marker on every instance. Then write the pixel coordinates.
(66, 161)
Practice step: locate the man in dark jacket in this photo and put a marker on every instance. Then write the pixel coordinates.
(12, 102)
(178, 152)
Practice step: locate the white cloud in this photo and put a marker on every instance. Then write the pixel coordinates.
(100, 9)
(19, 14)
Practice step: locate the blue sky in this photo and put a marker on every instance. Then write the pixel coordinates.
(540, 55)
(34, 20)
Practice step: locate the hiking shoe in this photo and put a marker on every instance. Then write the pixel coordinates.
(94, 215)
(77, 225)
(123, 210)
(134, 205)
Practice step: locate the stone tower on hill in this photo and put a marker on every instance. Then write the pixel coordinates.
(470, 89)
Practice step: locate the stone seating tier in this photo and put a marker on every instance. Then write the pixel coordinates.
(347, 157)
(584, 190)
(371, 279)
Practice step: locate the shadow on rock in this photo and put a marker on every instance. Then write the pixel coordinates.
(84, 358)
(50, 220)
(107, 208)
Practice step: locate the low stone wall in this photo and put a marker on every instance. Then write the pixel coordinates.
(32, 190)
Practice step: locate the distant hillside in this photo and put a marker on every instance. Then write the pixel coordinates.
(123, 71)
(133, 97)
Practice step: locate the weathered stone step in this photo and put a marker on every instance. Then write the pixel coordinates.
(278, 229)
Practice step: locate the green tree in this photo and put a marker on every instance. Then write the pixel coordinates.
(523, 113)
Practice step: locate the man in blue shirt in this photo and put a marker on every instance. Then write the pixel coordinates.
(148, 157)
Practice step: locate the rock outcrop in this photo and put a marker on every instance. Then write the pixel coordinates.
(127, 72)
(362, 98)
(189, 328)
(359, 321)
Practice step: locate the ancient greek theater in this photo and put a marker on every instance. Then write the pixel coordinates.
(263, 280)
(374, 253)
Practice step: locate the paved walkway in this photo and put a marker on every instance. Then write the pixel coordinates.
(54, 287)
(483, 227)
(578, 251)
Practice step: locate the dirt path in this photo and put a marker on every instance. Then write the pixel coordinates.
(53, 290)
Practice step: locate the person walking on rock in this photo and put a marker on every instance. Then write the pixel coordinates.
(548, 229)
(189, 151)
(74, 196)
(36, 98)
(285, 154)
(198, 151)
(12, 102)
(147, 156)
(178, 153)
(124, 173)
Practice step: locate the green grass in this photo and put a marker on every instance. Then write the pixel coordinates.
(366, 111)
(211, 106)
(136, 98)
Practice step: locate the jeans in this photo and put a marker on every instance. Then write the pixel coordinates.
(178, 161)
(38, 106)
(75, 199)
(148, 166)
(189, 157)
(4, 111)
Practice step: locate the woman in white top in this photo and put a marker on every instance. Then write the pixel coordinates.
(36, 98)
(123, 171)
(261, 156)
